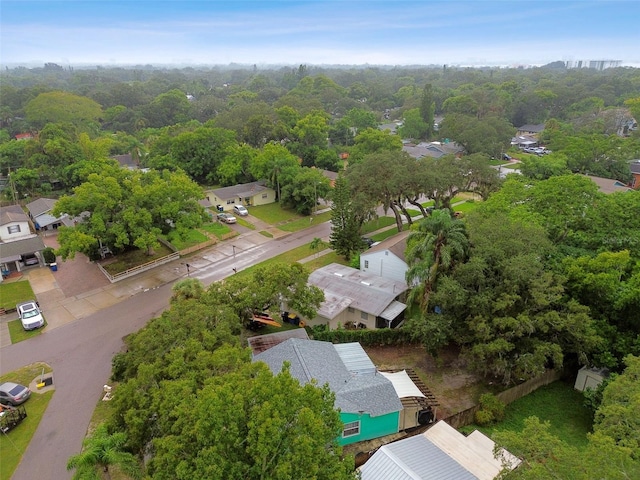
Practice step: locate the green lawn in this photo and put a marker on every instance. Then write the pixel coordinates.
(12, 293)
(273, 214)
(216, 228)
(188, 239)
(305, 222)
(15, 442)
(557, 403)
(466, 207)
(378, 237)
(377, 224)
(18, 334)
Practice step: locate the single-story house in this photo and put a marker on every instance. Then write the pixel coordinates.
(39, 212)
(356, 299)
(368, 404)
(530, 130)
(634, 166)
(524, 141)
(432, 149)
(609, 185)
(440, 453)
(387, 259)
(247, 194)
(127, 161)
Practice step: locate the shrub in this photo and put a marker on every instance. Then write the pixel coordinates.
(49, 255)
(491, 410)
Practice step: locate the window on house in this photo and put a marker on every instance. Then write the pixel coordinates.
(229, 202)
(364, 316)
(366, 264)
(351, 429)
(13, 228)
(350, 309)
(264, 195)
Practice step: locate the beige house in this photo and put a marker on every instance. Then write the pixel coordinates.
(247, 194)
(355, 299)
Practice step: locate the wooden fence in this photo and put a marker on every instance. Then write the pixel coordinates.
(467, 417)
(139, 268)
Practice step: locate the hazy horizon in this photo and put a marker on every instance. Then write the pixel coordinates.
(323, 32)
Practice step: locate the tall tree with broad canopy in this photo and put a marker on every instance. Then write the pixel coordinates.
(274, 163)
(127, 209)
(249, 423)
(60, 107)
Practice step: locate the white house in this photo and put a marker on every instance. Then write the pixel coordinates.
(14, 224)
(19, 247)
(357, 299)
(387, 259)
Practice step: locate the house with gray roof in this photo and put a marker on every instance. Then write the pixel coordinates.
(247, 194)
(40, 214)
(530, 130)
(368, 403)
(357, 299)
(440, 453)
(432, 149)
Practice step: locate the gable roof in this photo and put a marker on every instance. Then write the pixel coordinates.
(348, 287)
(40, 206)
(311, 360)
(396, 244)
(11, 251)
(260, 343)
(440, 453)
(241, 190)
(11, 214)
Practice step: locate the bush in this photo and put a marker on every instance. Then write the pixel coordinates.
(382, 336)
(49, 255)
(491, 410)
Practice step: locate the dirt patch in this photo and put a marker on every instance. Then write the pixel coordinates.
(454, 387)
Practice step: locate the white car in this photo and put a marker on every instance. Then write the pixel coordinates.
(30, 315)
(240, 210)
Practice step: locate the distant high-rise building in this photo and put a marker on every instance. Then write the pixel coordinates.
(594, 64)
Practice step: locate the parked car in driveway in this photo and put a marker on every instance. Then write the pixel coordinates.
(226, 218)
(30, 315)
(240, 210)
(13, 393)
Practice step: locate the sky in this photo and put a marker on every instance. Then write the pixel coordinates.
(321, 32)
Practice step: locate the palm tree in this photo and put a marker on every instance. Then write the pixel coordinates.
(432, 248)
(103, 450)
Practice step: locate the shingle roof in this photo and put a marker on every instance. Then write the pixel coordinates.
(9, 251)
(40, 206)
(634, 166)
(241, 190)
(313, 360)
(12, 213)
(396, 245)
(346, 286)
(531, 128)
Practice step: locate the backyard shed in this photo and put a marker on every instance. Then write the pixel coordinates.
(590, 377)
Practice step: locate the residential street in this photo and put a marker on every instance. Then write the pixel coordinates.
(79, 348)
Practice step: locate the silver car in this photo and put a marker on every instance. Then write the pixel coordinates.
(30, 315)
(13, 393)
(226, 218)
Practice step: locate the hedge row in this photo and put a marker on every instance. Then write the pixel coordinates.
(383, 336)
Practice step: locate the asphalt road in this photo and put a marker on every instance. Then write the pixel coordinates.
(80, 354)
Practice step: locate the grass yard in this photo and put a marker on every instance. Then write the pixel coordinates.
(133, 258)
(216, 228)
(466, 207)
(274, 214)
(191, 237)
(557, 403)
(245, 223)
(12, 293)
(15, 442)
(305, 222)
(377, 224)
(378, 237)
(18, 334)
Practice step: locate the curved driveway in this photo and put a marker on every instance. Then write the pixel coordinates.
(80, 352)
